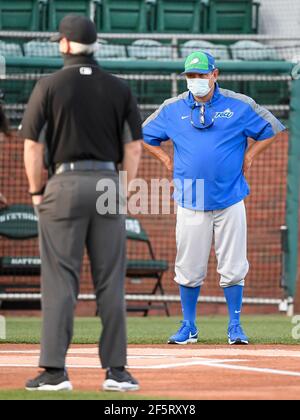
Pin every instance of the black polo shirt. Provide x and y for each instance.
(85, 113)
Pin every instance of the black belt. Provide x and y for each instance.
(85, 165)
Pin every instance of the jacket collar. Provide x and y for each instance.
(73, 60)
(191, 102)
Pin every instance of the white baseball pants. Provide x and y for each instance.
(195, 233)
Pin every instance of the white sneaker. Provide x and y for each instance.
(120, 381)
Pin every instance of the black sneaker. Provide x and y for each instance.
(120, 380)
(50, 381)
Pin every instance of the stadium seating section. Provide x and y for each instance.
(148, 49)
(18, 91)
(123, 16)
(137, 16)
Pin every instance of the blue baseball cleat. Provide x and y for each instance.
(187, 334)
(236, 335)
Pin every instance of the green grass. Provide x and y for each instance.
(276, 329)
(71, 396)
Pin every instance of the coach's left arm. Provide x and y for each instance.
(262, 127)
(255, 150)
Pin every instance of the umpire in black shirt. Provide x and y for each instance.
(91, 123)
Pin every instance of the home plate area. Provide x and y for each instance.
(190, 372)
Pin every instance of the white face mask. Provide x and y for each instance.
(199, 87)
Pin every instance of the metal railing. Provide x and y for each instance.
(174, 38)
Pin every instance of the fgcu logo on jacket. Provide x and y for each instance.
(225, 114)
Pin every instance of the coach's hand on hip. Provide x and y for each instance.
(169, 164)
(256, 149)
(161, 155)
(248, 161)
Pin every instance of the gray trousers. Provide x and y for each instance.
(69, 222)
(195, 233)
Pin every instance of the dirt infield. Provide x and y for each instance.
(192, 372)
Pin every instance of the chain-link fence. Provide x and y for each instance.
(268, 178)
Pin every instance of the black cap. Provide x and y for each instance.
(76, 29)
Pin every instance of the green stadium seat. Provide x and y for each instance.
(19, 222)
(151, 92)
(253, 51)
(110, 51)
(234, 85)
(41, 49)
(177, 16)
(143, 267)
(265, 93)
(220, 52)
(58, 9)
(150, 49)
(123, 16)
(150, 268)
(21, 15)
(17, 91)
(230, 16)
(268, 93)
(20, 266)
(10, 49)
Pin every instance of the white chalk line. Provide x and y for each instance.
(219, 364)
(164, 366)
(183, 352)
(252, 369)
(227, 364)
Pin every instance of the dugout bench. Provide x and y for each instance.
(19, 225)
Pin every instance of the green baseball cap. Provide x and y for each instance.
(200, 62)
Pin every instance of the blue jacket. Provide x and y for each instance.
(208, 163)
